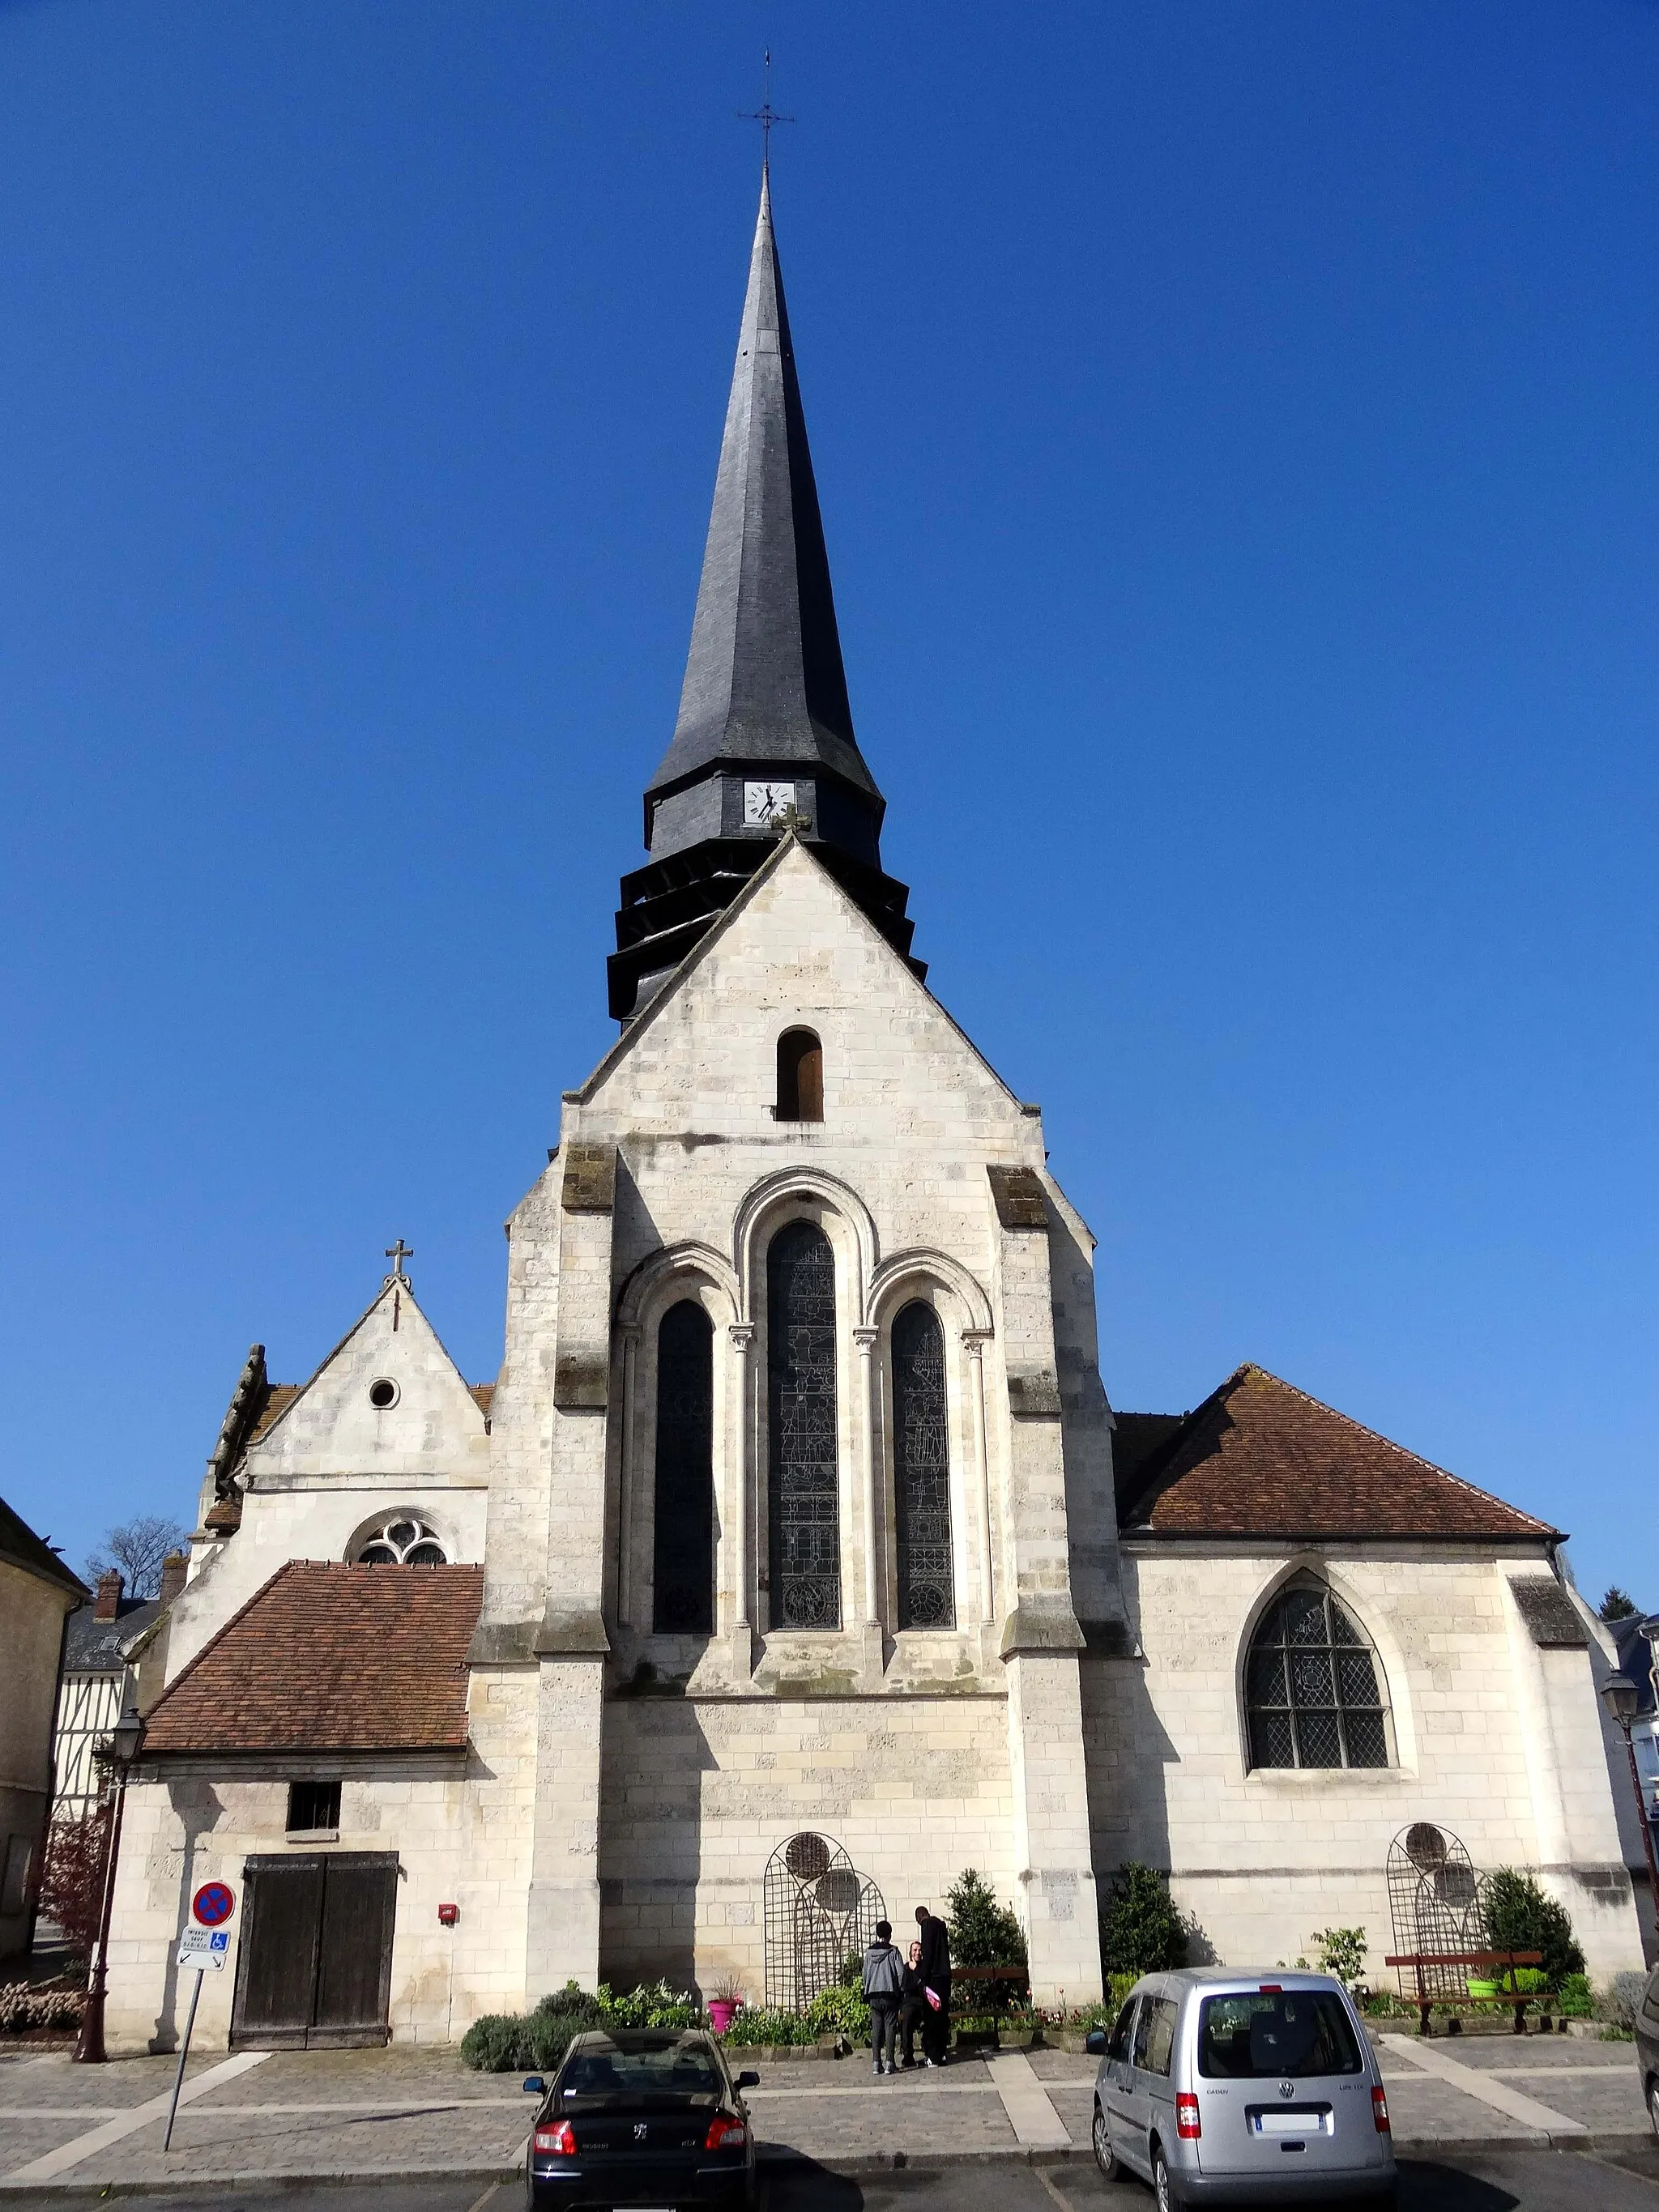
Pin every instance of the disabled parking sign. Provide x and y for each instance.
(202, 1949)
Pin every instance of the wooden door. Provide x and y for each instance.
(314, 1965)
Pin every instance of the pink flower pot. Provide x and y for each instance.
(722, 2011)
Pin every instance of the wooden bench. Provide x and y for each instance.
(1424, 1962)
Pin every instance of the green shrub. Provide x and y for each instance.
(758, 2024)
(984, 1932)
(1140, 1931)
(497, 2044)
(1625, 1996)
(1578, 2001)
(1341, 1952)
(660, 2006)
(1520, 1916)
(852, 1970)
(839, 2011)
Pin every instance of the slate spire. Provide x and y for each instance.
(764, 680)
(764, 727)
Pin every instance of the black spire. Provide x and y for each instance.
(765, 731)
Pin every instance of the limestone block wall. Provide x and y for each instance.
(697, 1794)
(459, 1837)
(1262, 1858)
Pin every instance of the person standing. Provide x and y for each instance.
(934, 1969)
(913, 2008)
(884, 1984)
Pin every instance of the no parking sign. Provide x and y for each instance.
(213, 1904)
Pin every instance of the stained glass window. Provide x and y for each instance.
(1312, 1693)
(803, 1492)
(682, 1580)
(921, 1471)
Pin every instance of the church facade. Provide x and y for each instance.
(797, 1540)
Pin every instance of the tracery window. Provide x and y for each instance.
(921, 1471)
(682, 1580)
(1313, 1692)
(803, 1487)
(801, 1077)
(402, 1541)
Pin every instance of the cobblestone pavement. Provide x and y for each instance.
(414, 2112)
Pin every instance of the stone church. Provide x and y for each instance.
(796, 1556)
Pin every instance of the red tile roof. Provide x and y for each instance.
(330, 1658)
(1260, 1458)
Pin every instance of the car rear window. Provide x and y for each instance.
(680, 2070)
(1265, 2032)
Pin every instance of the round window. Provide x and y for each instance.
(382, 1394)
(402, 1541)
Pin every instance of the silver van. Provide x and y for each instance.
(1221, 2088)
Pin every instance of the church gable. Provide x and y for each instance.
(1260, 1458)
(388, 1399)
(792, 953)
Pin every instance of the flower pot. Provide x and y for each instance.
(1016, 2039)
(722, 2011)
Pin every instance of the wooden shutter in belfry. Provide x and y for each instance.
(354, 1967)
(276, 1955)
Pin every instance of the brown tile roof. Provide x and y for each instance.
(1260, 1458)
(330, 1658)
(279, 1396)
(481, 1393)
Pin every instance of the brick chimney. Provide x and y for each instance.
(175, 1568)
(106, 1598)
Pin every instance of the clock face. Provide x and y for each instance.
(764, 802)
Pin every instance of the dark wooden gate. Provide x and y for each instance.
(314, 1964)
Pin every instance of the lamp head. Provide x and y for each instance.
(1622, 1698)
(126, 1738)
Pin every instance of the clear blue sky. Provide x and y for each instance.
(1235, 431)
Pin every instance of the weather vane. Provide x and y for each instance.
(766, 115)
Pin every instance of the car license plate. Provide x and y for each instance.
(1280, 2123)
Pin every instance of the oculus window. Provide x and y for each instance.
(1313, 1694)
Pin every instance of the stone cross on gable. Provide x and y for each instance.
(397, 1254)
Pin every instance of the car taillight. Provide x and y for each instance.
(725, 2134)
(1379, 2110)
(557, 2142)
(1187, 2121)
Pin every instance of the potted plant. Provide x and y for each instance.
(725, 2001)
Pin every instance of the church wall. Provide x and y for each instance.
(1261, 1859)
(697, 1794)
(453, 1846)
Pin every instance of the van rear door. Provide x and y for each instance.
(1284, 2086)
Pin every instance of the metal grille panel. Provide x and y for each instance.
(1312, 1694)
(819, 1908)
(804, 1497)
(1435, 1903)
(683, 1578)
(927, 1589)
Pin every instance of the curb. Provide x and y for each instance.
(783, 2154)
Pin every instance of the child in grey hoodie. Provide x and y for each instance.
(884, 1984)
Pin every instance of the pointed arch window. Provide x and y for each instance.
(683, 1577)
(803, 1472)
(801, 1077)
(921, 1471)
(1315, 1694)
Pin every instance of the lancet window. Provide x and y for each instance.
(683, 1583)
(801, 1077)
(1313, 1692)
(803, 1487)
(921, 1471)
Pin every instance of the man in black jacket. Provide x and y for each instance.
(935, 1972)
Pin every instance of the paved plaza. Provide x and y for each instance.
(343, 2115)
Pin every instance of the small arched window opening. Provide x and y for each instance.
(402, 1541)
(803, 1498)
(683, 1574)
(1313, 1694)
(801, 1077)
(921, 1471)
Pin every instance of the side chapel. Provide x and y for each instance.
(797, 1531)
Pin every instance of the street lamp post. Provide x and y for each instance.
(1624, 1701)
(126, 1739)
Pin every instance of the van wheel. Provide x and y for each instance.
(1110, 2164)
(1163, 2188)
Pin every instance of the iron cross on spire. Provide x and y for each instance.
(397, 1254)
(766, 115)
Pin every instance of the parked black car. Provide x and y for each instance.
(648, 2116)
(1647, 2045)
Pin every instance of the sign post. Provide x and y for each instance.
(202, 1949)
